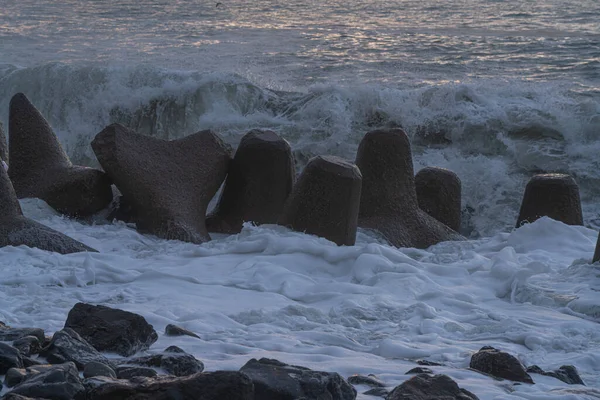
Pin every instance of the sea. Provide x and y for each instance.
(495, 90)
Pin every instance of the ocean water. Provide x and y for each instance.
(494, 90)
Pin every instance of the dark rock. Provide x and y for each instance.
(219, 385)
(429, 363)
(325, 200)
(274, 380)
(27, 345)
(430, 387)
(419, 370)
(121, 210)
(16, 230)
(61, 382)
(14, 376)
(174, 361)
(174, 330)
(389, 199)
(39, 167)
(7, 333)
(259, 180)
(13, 396)
(380, 392)
(439, 195)
(3, 145)
(68, 345)
(95, 368)
(168, 183)
(9, 358)
(128, 372)
(566, 373)
(370, 380)
(551, 195)
(31, 362)
(110, 329)
(499, 364)
(597, 251)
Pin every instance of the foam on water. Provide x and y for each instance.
(369, 308)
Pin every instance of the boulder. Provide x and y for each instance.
(94, 368)
(61, 382)
(499, 364)
(168, 183)
(28, 345)
(68, 345)
(16, 230)
(3, 145)
(274, 380)
(439, 195)
(218, 385)
(174, 330)
(9, 334)
(129, 372)
(389, 202)
(40, 168)
(551, 195)
(14, 376)
(566, 373)
(430, 387)
(173, 360)
(110, 329)
(370, 380)
(325, 200)
(9, 358)
(259, 180)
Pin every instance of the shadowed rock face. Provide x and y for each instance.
(439, 195)
(259, 181)
(16, 230)
(430, 387)
(389, 200)
(325, 200)
(39, 167)
(3, 145)
(551, 195)
(168, 183)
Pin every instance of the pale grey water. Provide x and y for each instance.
(494, 90)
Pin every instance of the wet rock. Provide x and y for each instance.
(129, 372)
(94, 368)
(110, 329)
(174, 330)
(14, 376)
(429, 363)
(430, 387)
(40, 168)
(9, 358)
(370, 380)
(168, 183)
(499, 364)
(13, 396)
(274, 380)
(68, 345)
(419, 370)
(3, 144)
(219, 385)
(566, 373)
(121, 210)
(551, 195)
(381, 392)
(173, 360)
(9, 334)
(325, 200)
(259, 180)
(31, 362)
(596, 257)
(439, 195)
(389, 202)
(16, 230)
(28, 345)
(61, 382)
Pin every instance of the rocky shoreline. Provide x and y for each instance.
(71, 365)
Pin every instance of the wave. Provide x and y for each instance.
(493, 134)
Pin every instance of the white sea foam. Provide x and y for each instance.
(369, 308)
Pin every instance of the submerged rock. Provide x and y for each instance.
(168, 183)
(325, 200)
(40, 168)
(499, 364)
(566, 373)
(110, 329)
(389, 202)
(551, 195)
(174, 330)
(274, 380)
(259, 181)
(430, 387)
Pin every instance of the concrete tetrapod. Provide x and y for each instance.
(16, 229)
(389, 199)
(167, 183)
(325, 200)
(259, 181)
(40, 168)
(439, 195)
